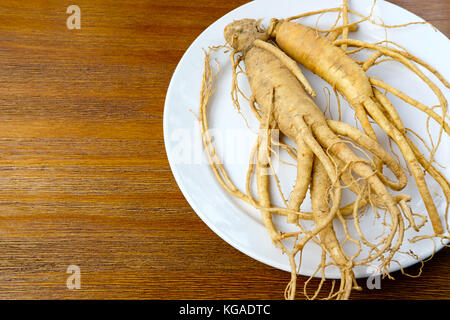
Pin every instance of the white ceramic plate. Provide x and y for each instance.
(234, 221)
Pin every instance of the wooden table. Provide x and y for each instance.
(84, 176)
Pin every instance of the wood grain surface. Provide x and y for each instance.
(84, 179)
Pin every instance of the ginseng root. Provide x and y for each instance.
(334, 65)
(325, 156)
(283, 104)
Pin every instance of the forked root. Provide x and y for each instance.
(321, 208)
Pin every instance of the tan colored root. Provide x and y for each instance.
(349, 26)
(366, 172)
(365, 197)
(396, 228)
(335, 33)
(422, 63)
(304, 170)
(439, 119)
(288, 63)
(410, 158)
(371, 191)
(371, 60)
(253, 107)
(338, 103)
(262, 174)
(407, 99)
(409, 215)
(215, 163)
(234, 80)
(345, 9)
(345, 23)
(373, 147)
(312, 13)
(289, 149)
(251, 171)
(384, 25)
(309, 140)
(390, 109)
(438, 176)
(399, 57)
(404, 147)
(361, 114)
(321, 208)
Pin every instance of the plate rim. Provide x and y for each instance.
(179, 180)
